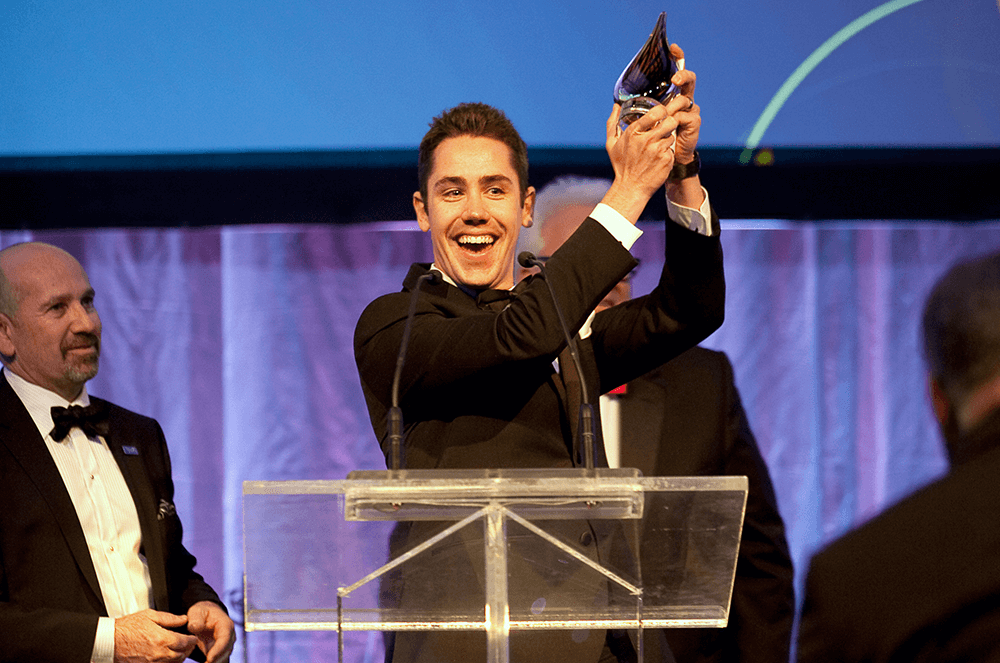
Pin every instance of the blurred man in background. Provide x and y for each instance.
(921, 581)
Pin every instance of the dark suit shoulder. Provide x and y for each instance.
(390, 309)
(131, 425)
(696, 394)
(925, 528)
(710, 368)
(926, 568)
(124, 414)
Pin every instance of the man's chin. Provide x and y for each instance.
(479, 277)
(82, 372)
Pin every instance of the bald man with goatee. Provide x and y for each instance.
(92, 566)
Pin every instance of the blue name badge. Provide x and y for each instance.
(130, 450)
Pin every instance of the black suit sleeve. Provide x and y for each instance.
(44, 634)
(48, 606)
(451, 341)
(763, 604)
(460, 348)
(687, 304)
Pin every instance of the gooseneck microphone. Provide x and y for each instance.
(587, 439)
(395, 419)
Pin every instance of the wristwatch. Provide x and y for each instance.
(682, 171)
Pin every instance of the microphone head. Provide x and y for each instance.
(526, 259)
(432, 277)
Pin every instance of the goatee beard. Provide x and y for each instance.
(80, 374)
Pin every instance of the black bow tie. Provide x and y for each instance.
(92, 420)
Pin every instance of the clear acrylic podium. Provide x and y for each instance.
(494, 551)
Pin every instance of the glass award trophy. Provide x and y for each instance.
(645, 82)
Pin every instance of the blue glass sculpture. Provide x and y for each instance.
(645, 82)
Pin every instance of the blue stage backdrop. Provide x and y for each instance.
(106, 76)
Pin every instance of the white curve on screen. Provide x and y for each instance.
(810, 63)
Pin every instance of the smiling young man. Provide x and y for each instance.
(479, 389)
(473, 207)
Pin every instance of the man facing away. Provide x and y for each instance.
(685, 418)
(921, 581)
(92, 566)
(479, 389)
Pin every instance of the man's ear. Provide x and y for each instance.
(528, 207)
(940, 403)
(421, 210)
(6, 336)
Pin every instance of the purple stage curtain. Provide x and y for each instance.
(239, 341)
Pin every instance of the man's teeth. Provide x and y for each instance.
(475, 239)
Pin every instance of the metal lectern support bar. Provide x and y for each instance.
(583, 559)
(377, 573)
(497, 610)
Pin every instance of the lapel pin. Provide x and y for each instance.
(166, 509)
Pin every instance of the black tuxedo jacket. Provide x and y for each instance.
(685, 418)
(919, 582)
(50, 598)
(479, 389)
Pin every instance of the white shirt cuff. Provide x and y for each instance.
(698, 220)
(616, 224)
(104, 642)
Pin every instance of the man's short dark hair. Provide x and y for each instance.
(472, 119)
(962, 327)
